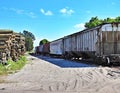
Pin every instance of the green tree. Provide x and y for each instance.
(28, 44)
(44, 41)
(28, 34)
(108, 20)
(94, 21)
(117, 19)
(29, 38)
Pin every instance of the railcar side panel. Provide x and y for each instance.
(41, 49)
(118, 39)
(73, 43)
(56, 47)
(86, 41)
(46, 48)
(37, 50)
(109, 42)
(67, 44)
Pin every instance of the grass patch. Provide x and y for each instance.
(12, 66)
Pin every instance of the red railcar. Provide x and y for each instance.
(46, 49)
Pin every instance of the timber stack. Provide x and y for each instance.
(12, 45)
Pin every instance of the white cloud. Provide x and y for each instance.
(79, 26)
(66, 11)
(47, 13)
(19, 11)
(42, 11)
(31, 14)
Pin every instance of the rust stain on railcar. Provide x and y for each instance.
(111, 42)
(118, 36)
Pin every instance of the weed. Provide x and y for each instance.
(12, 66)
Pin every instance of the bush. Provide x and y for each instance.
(12, 66)
(3, 69)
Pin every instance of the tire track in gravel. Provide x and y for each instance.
(43, 77)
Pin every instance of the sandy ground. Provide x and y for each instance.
(39, 76)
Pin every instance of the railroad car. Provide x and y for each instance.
(56, 47)
(46, 49)
(101, 43)
(37, 50)
(41, 49)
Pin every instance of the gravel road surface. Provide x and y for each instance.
(40, 76)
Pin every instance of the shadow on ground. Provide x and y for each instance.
(65, 63)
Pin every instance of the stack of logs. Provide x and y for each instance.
(12, 45)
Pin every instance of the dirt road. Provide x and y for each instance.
(39, 76)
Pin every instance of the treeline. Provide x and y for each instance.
(95, 21)
(29, 38)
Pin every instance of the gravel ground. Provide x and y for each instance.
(39, 76)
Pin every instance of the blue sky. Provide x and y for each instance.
(53, 19)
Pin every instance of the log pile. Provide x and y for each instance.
(12, 45)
